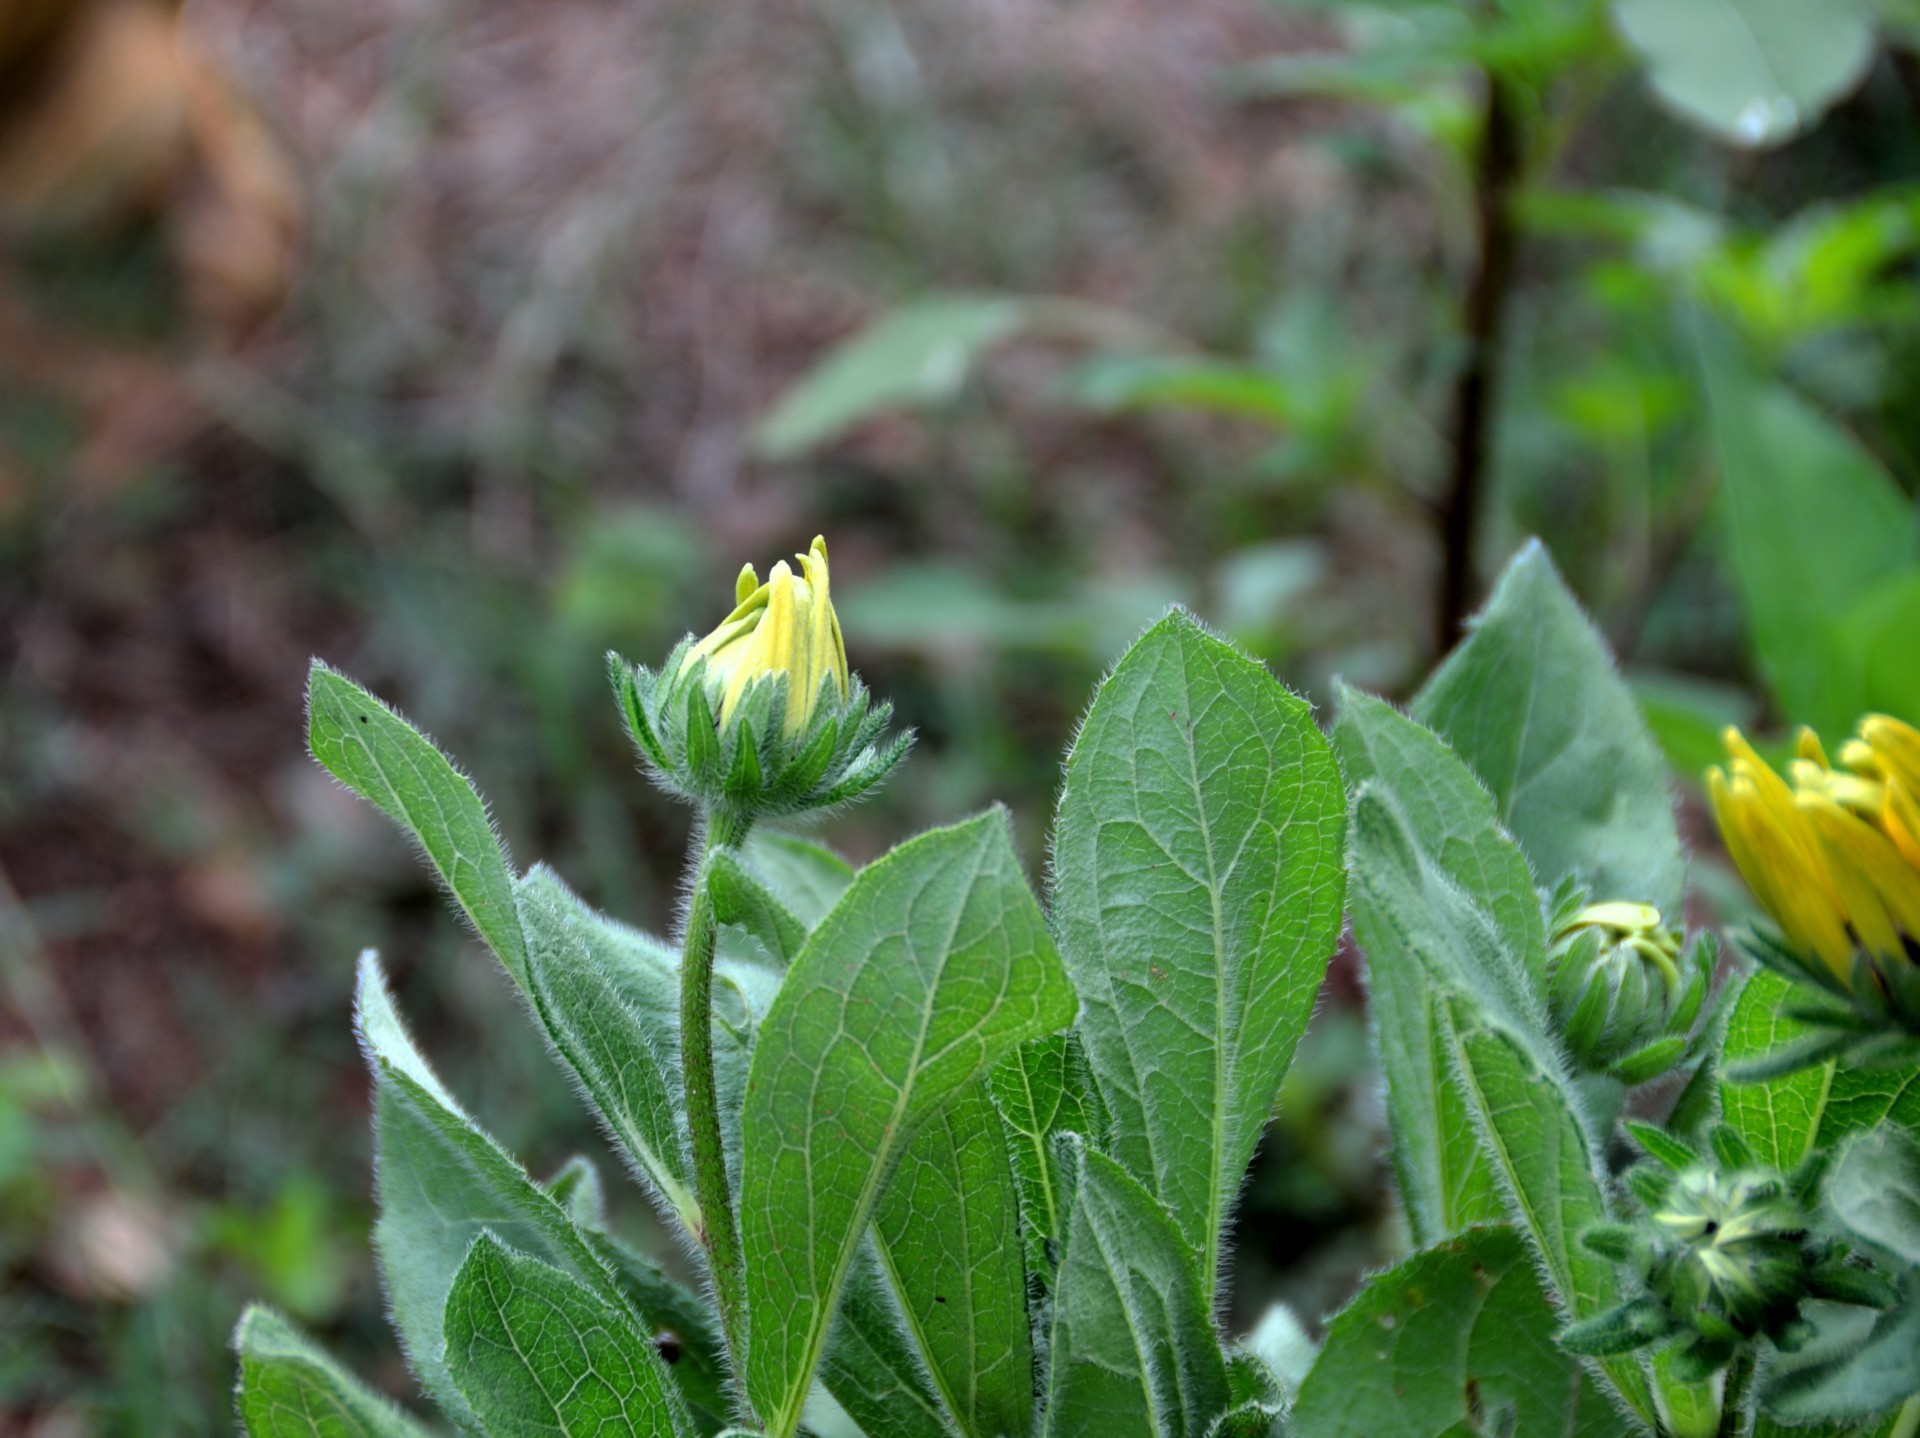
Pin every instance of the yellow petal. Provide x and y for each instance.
(1864, 865)
(1896, 746)
(1779, 858)
(745, 584)
(1807, 745)
(1900, 817)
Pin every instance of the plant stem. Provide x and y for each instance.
(1733, 1397)
(1496, 170)
(718, 1234)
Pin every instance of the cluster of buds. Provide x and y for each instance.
(1725, 1254)
(761, 718)
(1834, 858)
(1623, 987)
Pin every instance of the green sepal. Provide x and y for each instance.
(1621, 1329)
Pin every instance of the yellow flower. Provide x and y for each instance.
(784, 626)
(1835, 856)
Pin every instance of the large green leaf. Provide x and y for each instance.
(1198, 891)
(386, 761)
(1042, 1088)
(1425, 834)
(537, 1353)
(290, 1388)
(869, 1366)
(948, 1229)
(1456, 1340)
(1781, 1118)
(442, 1180)
(1818, 528)
(1858, 1364)
(1132, 1348)
(1530, 1127)
(1756, 72)
(1532, 702)
(932, 966)
(1874, 1191)
(607, 997)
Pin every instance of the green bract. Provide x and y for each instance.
(955, 1165)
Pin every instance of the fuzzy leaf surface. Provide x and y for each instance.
(608, 998)
(442, 1181)
(1198, 889)
(536, 1353)
(1443, 903)
(934, 964)
(1458, 1338)
(806, 877)
(1874, 1191)
(1532, 702)
(870, 1368)
(381, 757)
(291, 1388)
(1133, 1348)
(948, 1230)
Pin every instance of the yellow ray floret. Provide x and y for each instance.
(1834, 856)
(785, 626)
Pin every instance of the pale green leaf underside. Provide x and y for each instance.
(607, 997)
(1533, 704)
(870, 1367)
(1460, 1334)
(442, 1181)
(290, 1388)
(934, 964)
(947, 1227)
(1132, 1349)
(537, 1354)
(386, 761)
(1198, 889)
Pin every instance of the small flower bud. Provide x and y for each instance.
(1621, 991)
(762, 717)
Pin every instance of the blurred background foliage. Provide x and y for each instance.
(458, 342)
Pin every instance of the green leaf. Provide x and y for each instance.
(1857, 1365)
(870, 1368)
(1443, 902)
(1132, 1348)
(1456, 1338)
(1754, 72)
(1860, 1098)
(917, 355)
(947, 1228)
(1533, 704)
(674, 1312)
(381, 757)
(741, 897)
(1781, 1117)
(1546, 1165)
(442, 1180)
(290, 1388)
(1817, 526)
(1874, 1191)
(535, 1352)
(1197, 891)
(807, 878)
(932, 966)
(608, 998)
(1042, 1088)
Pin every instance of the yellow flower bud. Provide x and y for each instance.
(1835, 856)
(784, 626)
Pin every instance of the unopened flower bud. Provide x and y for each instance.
(1622, 990)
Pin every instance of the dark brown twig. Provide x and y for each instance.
(1496, 172)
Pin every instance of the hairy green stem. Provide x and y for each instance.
(1733, 1397)
(719, 1233)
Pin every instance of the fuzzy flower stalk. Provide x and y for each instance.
(759, 719)
(1834, 858)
